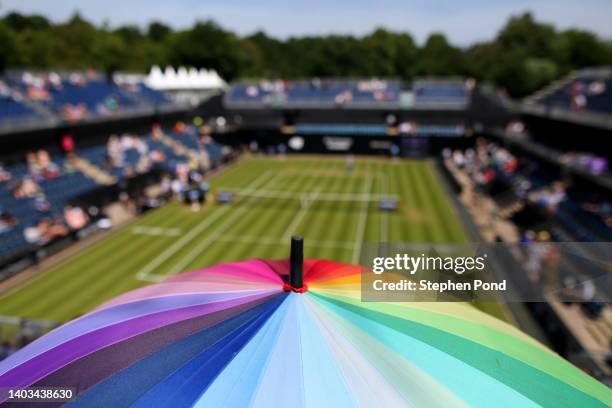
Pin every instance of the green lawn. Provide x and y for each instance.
(174, 239)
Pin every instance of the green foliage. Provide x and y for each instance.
(576, 48)
(539, 71)
(208, 45)
(158, 31)
(524, 56)
(9, 55)
(525, 34)
(439, 58)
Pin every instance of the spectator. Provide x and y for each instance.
(52, 228)
(33, 165)
(179, 127)
(550, 197)
(579, 102)
(156, 131)
(7, 221)
(49, 170)
(166, 185)
(528, 237)
(75, 217)
(177, 187)
(252, 91)
(195, 177)
(41, 204)
(32, 234)
(537, 254)
(44, 231)
(596, 88)
(70, 164)
(585, 293)
(41, 166)
(4, 175)
(194, 198)
(109, 105)
(128, 171)
(26, 188)
(600, 208)
(74, 112)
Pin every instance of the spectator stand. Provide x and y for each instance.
(582, 97)
(579, 331)
(37, 197)
(31, 99)
(317, 92)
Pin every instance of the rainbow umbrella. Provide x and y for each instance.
(253, 334)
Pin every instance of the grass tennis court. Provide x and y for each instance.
(334, 210)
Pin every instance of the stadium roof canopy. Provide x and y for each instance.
(183, 79)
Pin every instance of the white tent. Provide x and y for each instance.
(183, 79)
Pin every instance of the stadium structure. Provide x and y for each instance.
(107, 184)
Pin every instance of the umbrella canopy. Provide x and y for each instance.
(238, 334)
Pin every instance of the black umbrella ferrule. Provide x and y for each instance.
(296, 263)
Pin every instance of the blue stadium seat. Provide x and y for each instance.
(11, 109)
(322, 92)
(440, 93)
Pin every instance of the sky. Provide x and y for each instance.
(464, 22)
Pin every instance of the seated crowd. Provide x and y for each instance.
(422, 93)
(488, 163)
(565, 212)
(588, 92)
(128, 154)
(317, 90)
(36, 195)
(38, 219)
(71, 96)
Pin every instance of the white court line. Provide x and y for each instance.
(252, 191)
(210, 239)
(361, 224)
(299, 216)
(157, 231)
(279, 241)
(305, 196)
(270, 241)
(143, 273)
(384, 218)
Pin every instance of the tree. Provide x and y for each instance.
(439, 58)
(9, 55)
(130, 34)
(208, 45)
(577, 48)
(390, 54)
(158, 31)
(524, 56)
(19, 22)
(539, 72)
(525, 34)
(73, 43)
